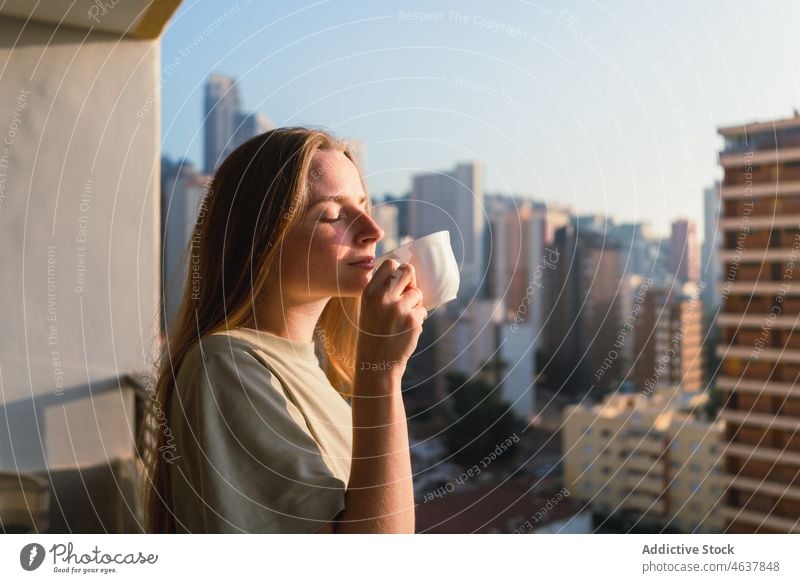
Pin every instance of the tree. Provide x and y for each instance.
(479, 420)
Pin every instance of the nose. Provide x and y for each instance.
(367, 230)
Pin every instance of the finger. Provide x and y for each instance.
(411, 298)
(421, 312)
(413, 273)
(402, 276)
(384, 272)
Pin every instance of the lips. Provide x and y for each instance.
(365, 261)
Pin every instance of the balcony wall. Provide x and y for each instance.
(80, 235)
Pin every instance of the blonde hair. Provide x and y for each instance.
(258, 194)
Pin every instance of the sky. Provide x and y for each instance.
(608, 107)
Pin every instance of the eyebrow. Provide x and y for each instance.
(337, 198)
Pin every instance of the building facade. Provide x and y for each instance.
(221, 120)
(684, 251)
(651, 458)
(759, 350)
(453, 201)
(669, 337)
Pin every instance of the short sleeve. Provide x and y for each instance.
(254, 463)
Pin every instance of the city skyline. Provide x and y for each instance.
(597, 371)
(570, 106)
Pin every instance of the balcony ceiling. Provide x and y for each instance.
(143, 19)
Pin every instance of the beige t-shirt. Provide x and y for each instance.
(263, 440)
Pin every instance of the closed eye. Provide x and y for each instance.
(339, 218)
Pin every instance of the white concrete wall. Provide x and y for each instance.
(79, 126)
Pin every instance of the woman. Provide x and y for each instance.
(248, 430)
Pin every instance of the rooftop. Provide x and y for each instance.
(760, 126)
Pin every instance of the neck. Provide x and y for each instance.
(289, 317)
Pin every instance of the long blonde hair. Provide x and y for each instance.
(258, 194)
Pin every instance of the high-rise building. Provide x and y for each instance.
(684, 252)
(585, 319)
(249, 125)
(402, 204)
(659, 252)
(759, 348)
(500, 210)
(226, 126)
(514, 237)
(669, 337)
(637, 255)
(520, 264)
(453, 201)
(221, 120)
(386, 215)
(182, 191)
(711, 270)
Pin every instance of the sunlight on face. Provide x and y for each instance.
(336, 230)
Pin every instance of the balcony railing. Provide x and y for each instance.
(762, 453)
(762, 486)
(101, 497)
(760, 519)
(761, 419)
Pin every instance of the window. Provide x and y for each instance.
(733, 366)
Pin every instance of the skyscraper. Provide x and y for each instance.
(183, 188)
(633, 240)
(760, 351)
(585, 319)
(221, 120)
(684, 251)
(453, 201)
(385, 214)
(250, 125)
(668, 333)
(711, 270)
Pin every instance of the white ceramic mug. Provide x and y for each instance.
(434, 264)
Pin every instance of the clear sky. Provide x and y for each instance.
(611, 107)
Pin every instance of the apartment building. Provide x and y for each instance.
(759, 350)
(654, 459)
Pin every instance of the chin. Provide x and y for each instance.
(352, 288)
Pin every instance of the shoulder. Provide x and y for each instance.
(224, 343)
(224, 357)
(221, 346)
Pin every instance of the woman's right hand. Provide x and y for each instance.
(391, 319)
